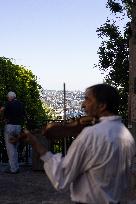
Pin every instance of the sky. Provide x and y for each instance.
(56, 39)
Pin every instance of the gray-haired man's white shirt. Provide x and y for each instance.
(96, 165)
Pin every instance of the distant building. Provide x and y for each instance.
(55, 100)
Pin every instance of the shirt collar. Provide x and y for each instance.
(114, 117)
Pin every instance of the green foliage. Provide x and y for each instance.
(114, 53)
(114, 6)
(21, 80)
(120, 6)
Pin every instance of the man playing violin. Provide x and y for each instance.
(97, 164)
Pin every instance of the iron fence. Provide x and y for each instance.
(25, 150)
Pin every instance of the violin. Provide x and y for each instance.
(72, 127)
(58, 130)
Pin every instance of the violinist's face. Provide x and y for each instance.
(90, 105)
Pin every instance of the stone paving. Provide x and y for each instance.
(29, 187)
(33, 187)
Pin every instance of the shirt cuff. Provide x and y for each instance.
(46, 156)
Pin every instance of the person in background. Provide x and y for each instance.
(97, 164)
(14, 114)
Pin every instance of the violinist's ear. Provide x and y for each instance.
(102, 107)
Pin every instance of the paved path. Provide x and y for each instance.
(29, 187)
(33, 187)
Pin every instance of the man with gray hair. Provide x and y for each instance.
(14, 113)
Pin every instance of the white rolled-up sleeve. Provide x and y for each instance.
(52, 167)
(63, 170)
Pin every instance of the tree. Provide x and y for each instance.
(21, 80)
(114, 50)
(132, 73)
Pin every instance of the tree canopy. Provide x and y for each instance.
(114, 49)
(24, 83)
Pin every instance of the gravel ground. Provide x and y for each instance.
(29, 187)
(33, 187)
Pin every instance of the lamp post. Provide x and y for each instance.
(64, 118)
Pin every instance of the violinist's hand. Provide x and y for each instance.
(50, 128)
(31, 139)
(13, 140)
(53, 125)
(27, 136)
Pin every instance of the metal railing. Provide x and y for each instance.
(25, 150)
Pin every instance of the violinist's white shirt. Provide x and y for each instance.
(96, 165)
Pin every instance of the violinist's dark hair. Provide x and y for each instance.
(106, 94)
